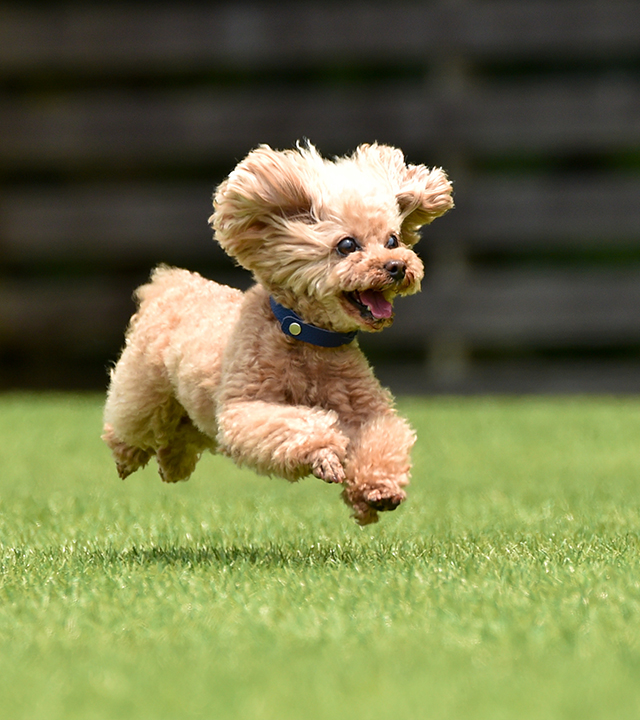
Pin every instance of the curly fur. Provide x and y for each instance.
(206, 367)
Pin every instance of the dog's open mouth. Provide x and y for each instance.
(371, 304)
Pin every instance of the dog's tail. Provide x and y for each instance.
(164, 282)
(162, 279)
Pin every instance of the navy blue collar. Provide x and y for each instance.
(294, 326)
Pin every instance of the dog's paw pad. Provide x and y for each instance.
(328, 467)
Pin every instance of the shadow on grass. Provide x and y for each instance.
(203, 554)
(454, 551)
(451, 552)
(269, 555)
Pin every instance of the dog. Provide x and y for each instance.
(274, 378)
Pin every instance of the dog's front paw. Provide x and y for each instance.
(384, 500)
(327, 466)
(367, 501)
(363, 513)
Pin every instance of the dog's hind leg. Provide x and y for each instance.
(178, 458)
(139, 416)
(128, 458)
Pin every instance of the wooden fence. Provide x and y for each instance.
(118, 120)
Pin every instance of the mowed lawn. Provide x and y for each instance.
(508, 586)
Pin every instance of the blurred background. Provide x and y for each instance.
(117, 121)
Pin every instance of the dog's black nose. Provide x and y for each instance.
(396, 268)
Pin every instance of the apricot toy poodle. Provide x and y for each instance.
(274, 377)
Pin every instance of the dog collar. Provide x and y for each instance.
(294, 326)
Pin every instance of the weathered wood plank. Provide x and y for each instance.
(152, 222)
(538, 212)
(200, 125)
(112, 38)
(72, 318)
(518, 376)
(110, 223)
(562, 115)
(499, 309)
(528, 309)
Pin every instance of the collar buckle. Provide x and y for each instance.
(294, 326)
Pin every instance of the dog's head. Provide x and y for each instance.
(330, 240)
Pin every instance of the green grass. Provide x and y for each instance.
(508, 586)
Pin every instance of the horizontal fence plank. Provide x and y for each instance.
(528, 309)
(151, 222)
(111, 223)
(67, 318)
(542, 212)
(201, 125)
(564, 115)
(517, 376)
(139, 37)
(489, 310)
(147, 128)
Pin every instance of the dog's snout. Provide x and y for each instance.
(396, 268)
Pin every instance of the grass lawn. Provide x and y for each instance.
(508, 586)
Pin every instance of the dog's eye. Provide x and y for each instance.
(392, 243)
(346, 246)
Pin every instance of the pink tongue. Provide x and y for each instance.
(377, 304)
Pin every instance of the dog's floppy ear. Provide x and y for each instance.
(422, 194)
(267, 189)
